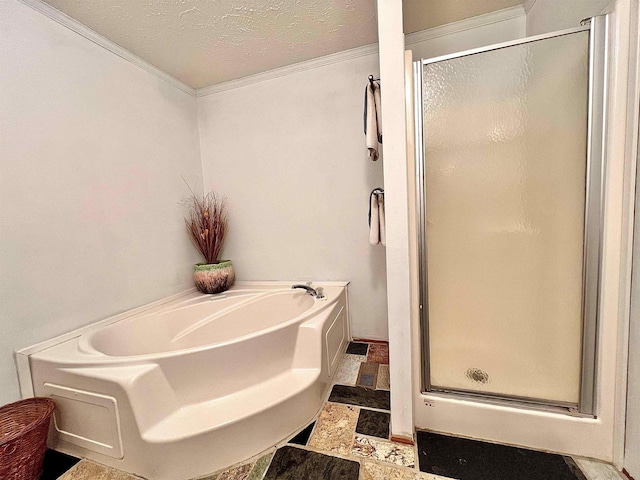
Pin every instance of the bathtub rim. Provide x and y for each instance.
(21, 356)
(86, 347)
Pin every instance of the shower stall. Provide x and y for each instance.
(510, 171)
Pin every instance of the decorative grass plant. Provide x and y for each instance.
(207, 227)
(207, 223)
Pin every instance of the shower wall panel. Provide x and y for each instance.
(504, 135)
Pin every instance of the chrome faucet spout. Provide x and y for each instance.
(311, 291)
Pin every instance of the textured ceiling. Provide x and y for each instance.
(205, 42)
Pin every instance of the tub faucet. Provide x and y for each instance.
(310, 290)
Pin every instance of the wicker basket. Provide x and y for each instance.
(23, 438)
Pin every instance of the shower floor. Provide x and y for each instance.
(350, 441)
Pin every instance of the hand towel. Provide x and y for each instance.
(374, 220)
(373, 120)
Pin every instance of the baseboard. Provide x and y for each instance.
(368, 340)
(403, 439)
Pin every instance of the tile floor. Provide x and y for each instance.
(350, 441)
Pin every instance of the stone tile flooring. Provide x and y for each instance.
(378, 353)
(350, 441)
(55, 464)
(373, 423)
(291, 463)
(358, 348)
(365, 397)
(303, 437)
(84, 470)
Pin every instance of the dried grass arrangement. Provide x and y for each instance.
(207, 223)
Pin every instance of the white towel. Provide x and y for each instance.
(373, 112)
(374, 220)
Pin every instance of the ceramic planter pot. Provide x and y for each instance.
(214, 277)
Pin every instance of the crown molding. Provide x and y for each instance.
(466, 24)
(528, 5)
(86, 32)
(289, 69)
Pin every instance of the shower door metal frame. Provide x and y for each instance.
(593, 226)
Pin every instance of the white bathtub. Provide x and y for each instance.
(194, 384)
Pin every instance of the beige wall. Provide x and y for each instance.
(289, 154)
(473, 33)
(392, 74)
(303, 132)
(632, 437)
(92, 152)
(550, 15)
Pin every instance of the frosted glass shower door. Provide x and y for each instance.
(505, 153)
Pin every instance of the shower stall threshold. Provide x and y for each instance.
(511, 401)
